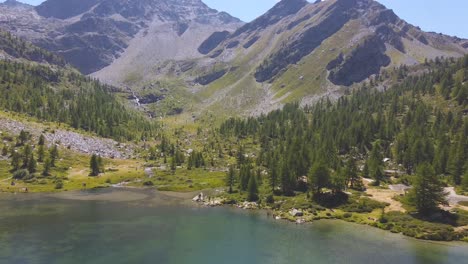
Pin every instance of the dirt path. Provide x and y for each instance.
(453, 198)
(386, 196)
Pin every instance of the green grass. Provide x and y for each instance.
(398, 222)
(184, 180)
(72, 169)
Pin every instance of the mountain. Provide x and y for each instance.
(180, 56)
(91, 34)
(297, 51)
(302, 51)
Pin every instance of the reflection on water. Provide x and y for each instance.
(133, 226)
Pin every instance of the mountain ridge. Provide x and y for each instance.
(184, 54)
(91, 34)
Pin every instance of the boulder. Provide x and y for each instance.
(295, 213)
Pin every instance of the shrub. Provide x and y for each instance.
(21, 175)
(59, 185)
(148, 183)
(347, 215)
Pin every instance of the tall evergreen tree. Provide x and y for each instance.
(32, 164)
(319, 177)
(252, 189)
(47, 167)
(53, 155)
(231, 178)
(94, 165)
(428, 190)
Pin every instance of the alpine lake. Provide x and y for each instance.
(145, 226)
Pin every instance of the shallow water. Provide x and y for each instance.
(104, 227)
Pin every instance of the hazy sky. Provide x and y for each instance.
(447, 16)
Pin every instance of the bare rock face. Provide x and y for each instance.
(363, 62)
(92, 34)
(301, 28)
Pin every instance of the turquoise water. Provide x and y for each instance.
(152, 228)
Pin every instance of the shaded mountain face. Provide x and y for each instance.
(91, 34)
(15, 49)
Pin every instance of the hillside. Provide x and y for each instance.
(297, 51)
(39, 84)
(13, 48)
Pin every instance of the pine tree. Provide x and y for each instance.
(465, 180)
(15, 161)
(32, 165)
(319, 177)
(53, 155)
(375, 164)
(23, 137)
(94, 165)
(352, 173)
(173, 164)
(252, 189)
(41, 141)
(231, 178)
(47, 167)
(273, 177)
(338, 181)
(27, 151)
(40, 153)
(428, 190)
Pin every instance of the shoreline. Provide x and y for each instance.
(171, 198)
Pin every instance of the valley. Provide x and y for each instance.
(313, 111)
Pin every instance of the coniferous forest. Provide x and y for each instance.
(420, 121)
(65, 96)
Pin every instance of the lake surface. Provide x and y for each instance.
(124, 226)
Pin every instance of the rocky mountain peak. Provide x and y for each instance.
(91, 34)
(168, 10)
(13, 3)
(281, 10)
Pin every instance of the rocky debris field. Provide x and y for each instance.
(107, 148)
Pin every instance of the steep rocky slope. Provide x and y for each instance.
(91, 34)
(302, 51)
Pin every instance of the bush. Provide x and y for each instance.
(347, 215)
(59, 185)
(363, 205)
(148, 183)
(330, 200)
(21, 175)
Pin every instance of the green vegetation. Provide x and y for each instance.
(96, 165)
(19, 49)
(428, 192)
(326, 142)
(64, 96)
